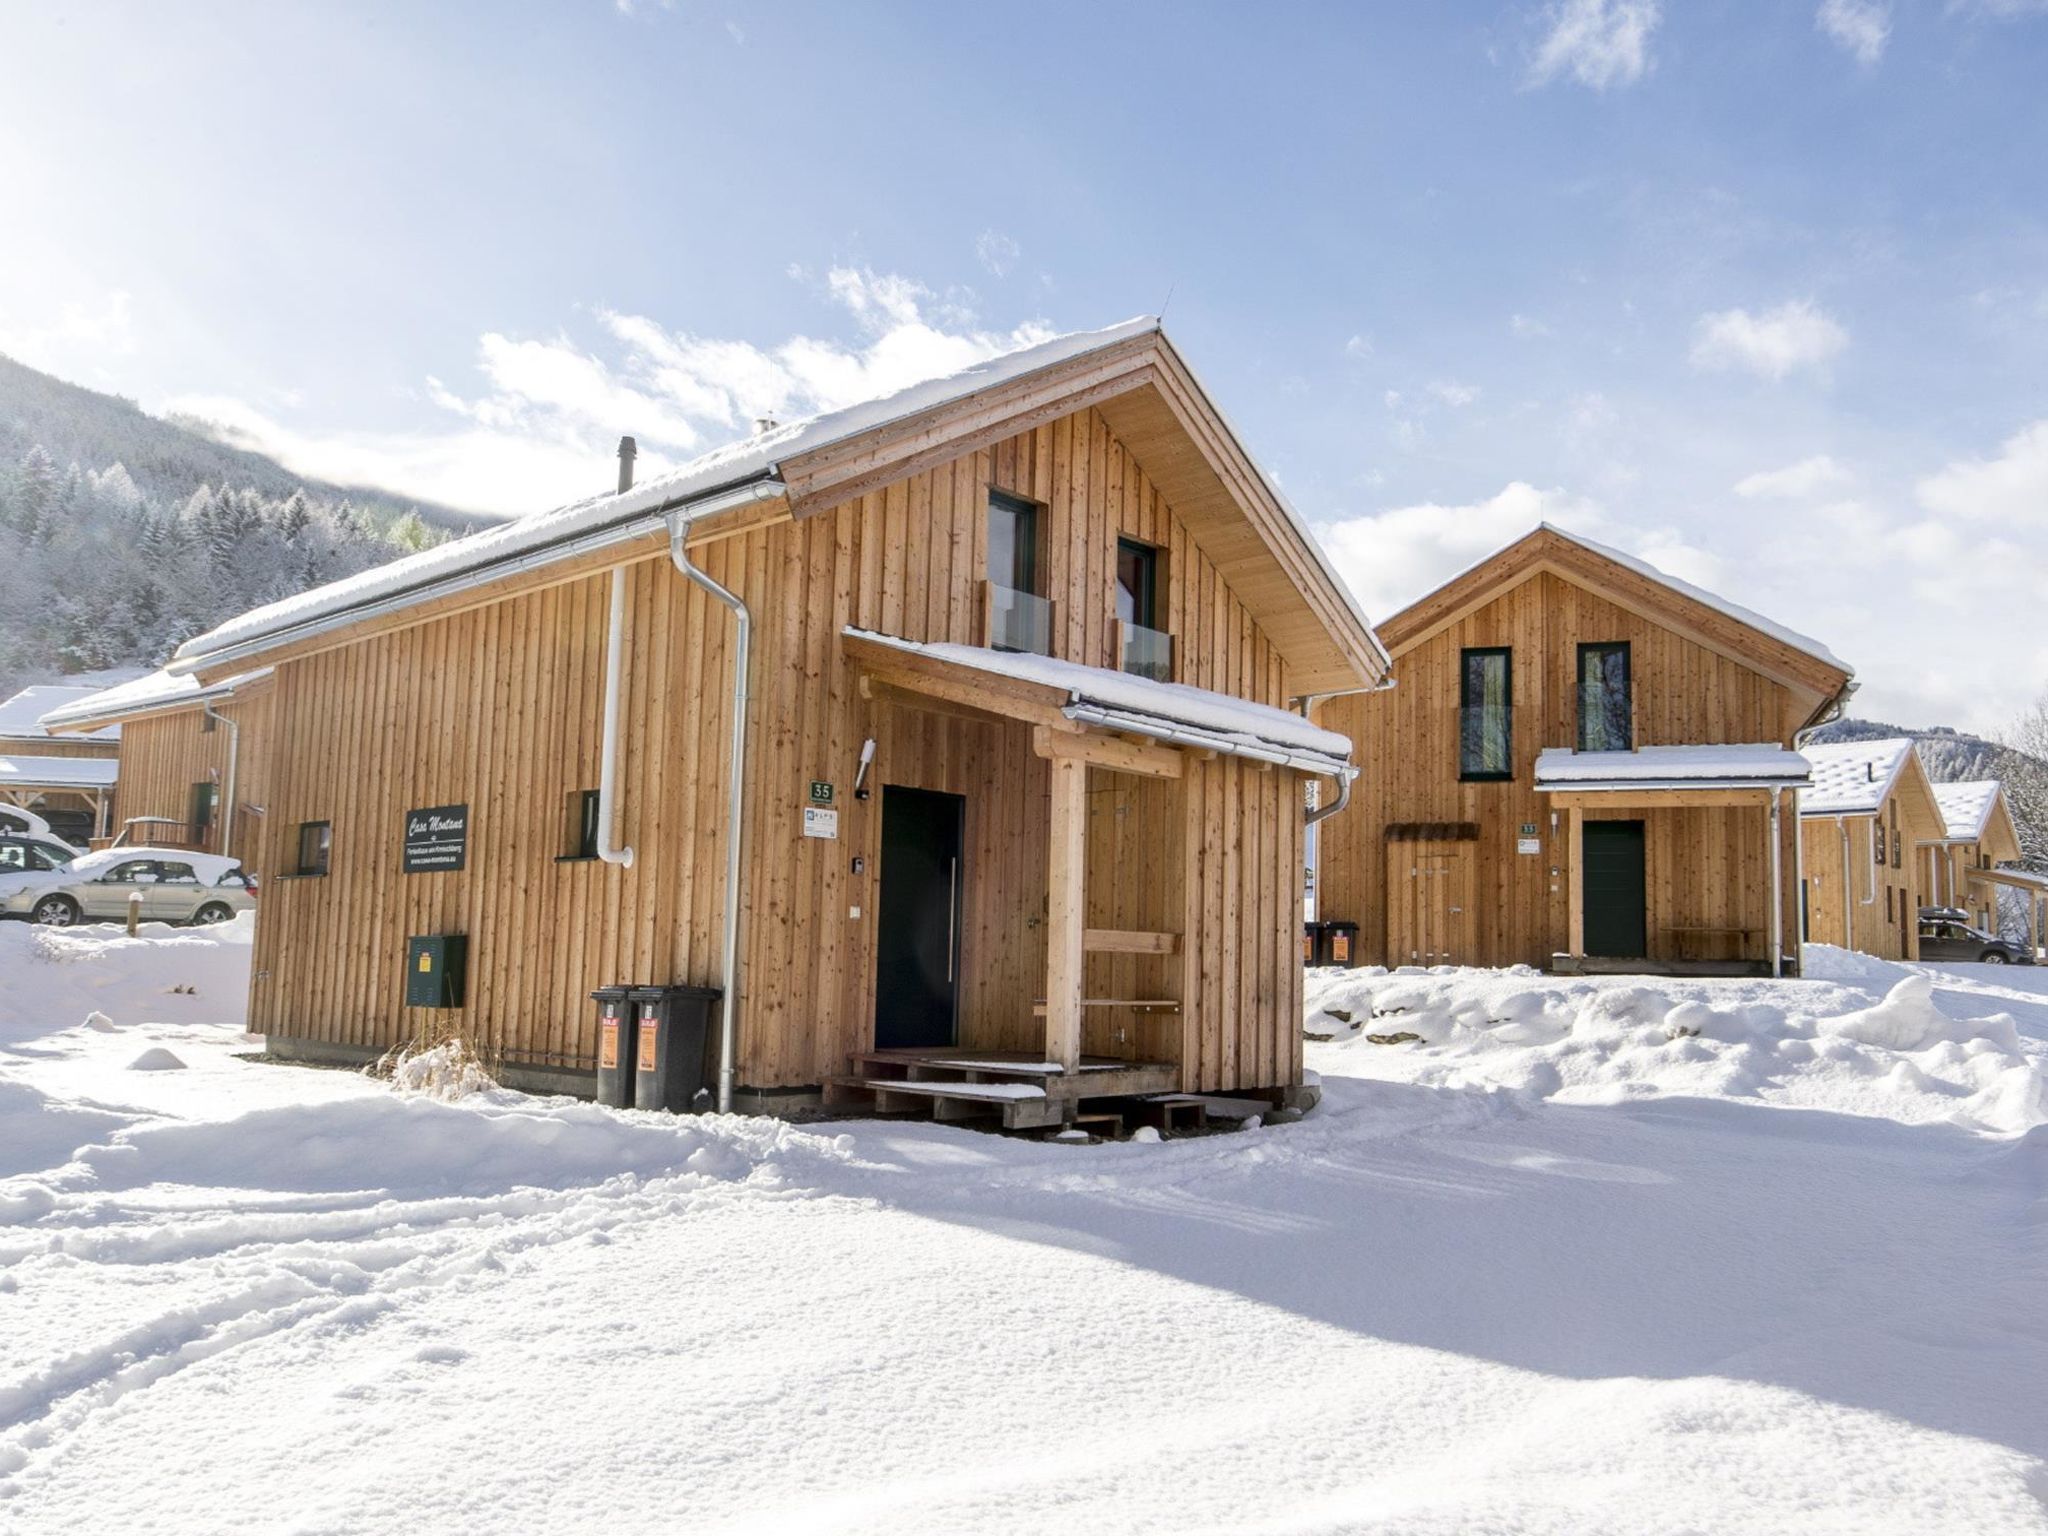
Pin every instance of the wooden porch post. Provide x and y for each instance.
(1575, 846)
(1066, 911)
(1777, 887)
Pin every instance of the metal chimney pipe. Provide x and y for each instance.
(628, 451)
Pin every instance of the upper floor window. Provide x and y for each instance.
(1012, 542)
(1147, 649)
(1485, 711)
(1605, 712)
(1018, 618)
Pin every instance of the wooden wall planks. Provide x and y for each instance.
(163, 756)
(497, 707)
(1704, 866)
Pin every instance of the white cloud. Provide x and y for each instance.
(2011, 489)
(1454, 394)
(997, 252)
(1528, 327)
(1861, 27)
(542, 429)
(1795, 482)
(1795, 335)
(1358, 346)
(76, 339)
(1597, 42)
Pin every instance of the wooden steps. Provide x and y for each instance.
(1023, 1091)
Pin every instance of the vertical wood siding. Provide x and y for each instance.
(1704, 866)
(499, 708)
(163, 757)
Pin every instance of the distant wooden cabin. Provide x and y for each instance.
(1869, 810)
(67, 781)
(1022, 794)
(1582, 763)
(1978, 835)
(194, 760)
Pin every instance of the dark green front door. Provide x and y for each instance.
(1615, 901)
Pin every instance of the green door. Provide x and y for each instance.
(1615, 899)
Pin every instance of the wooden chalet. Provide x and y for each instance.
(1966, 863)
(1870, 809)
(1018, 813)
(1584, 764)
(194, 761)
(66, 780)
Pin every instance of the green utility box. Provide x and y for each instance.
(434, 966)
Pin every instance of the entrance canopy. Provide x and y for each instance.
(1699, 774)
(1046, 691)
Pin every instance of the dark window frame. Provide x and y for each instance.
(1628, 692)
(580, 823)
(304, 870)
(1466, 705)
(196, 828)
(1148, 600)
(1032, 546)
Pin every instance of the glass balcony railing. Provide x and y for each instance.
(1147, 652)
(1019, 621)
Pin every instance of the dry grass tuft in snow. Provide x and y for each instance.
(448, 1070)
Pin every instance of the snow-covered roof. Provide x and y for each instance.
(1851, 778)
(732, 465)
(1719, 604)
(1966, 807)
(1738, 765)
(1165, 711)
(58, 772)
(145, 695)
(21, 717)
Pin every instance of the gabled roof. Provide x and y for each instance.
(1729, 629)
(1736, 765)
(1130, 372)
(1966, 807)
(158, 693)
(1853, 778)
(21, 717)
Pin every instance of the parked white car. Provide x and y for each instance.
(175, 886)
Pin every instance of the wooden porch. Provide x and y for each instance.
(1023, 1092)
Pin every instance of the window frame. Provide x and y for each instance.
(1149, 554)
(303, 871)
(199, 831)
(1033, 513)
(1466, 704)
(1628, 692)
(582, 826)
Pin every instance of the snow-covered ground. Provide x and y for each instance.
(1585, 1257)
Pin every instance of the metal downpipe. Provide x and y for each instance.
(227, 818)
(607, 770)
(735, 809)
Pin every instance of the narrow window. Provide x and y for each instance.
(1012, 542)
(1137, 577)
(1485, 704)
(581, 825)
(199, 813)
(316, 845)
(1898, 843)
(1878, 840)
(1888, 905)
(1606, 722)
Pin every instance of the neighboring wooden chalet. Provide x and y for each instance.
(1021, 791)
(1977, 836)
(1870, 807)
(1584, 763)
(194, 761)
(68, 781)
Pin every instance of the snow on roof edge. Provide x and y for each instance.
(22, 720)
(1836, 789)
(1751, 765)
(1957, 802)
(160, 689)
(58, 772)
(728, 465)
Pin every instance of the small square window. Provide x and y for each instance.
(316, 847)
(580, 825)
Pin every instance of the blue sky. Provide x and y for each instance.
(1759, 291)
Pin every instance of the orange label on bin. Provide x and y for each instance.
(647, 1040)
(1340, 947)
(608, 1042)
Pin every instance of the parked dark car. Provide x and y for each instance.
(1946, 934)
